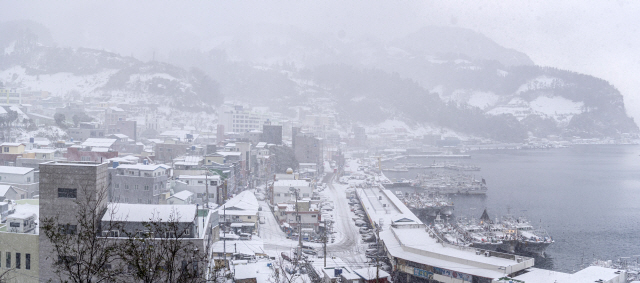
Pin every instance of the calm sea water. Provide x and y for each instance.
(586, 197)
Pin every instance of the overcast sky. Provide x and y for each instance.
(600, 38)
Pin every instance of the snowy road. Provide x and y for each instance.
(348, 244)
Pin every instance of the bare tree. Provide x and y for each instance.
(286, 271)
(82, 256)
(162, 252)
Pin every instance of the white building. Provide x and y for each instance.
(282, 190)
(197, 184)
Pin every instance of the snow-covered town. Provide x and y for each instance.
(319, 142)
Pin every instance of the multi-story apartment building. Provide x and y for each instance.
(10, 96)
(308, 148)
(239, 120)
(282, 191)
(138, 183)
(19, 251)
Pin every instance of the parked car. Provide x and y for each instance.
(360, 223)
(364, 230)
(285, 256)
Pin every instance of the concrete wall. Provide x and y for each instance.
(133, 189)
(25, 244)
(88, 179)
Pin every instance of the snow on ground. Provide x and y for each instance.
(556, 105)
(483, 99)
(501, 73)
(58, 83)
(9, 49)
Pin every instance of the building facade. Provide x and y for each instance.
(138, 183)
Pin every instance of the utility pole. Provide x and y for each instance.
(206, 185)
(299, 253)
(325, 243)
(224, 235)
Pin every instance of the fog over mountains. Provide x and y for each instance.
(438, 76)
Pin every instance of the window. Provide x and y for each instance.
(27, 261)
(68, 229)
(155, 187)
(18, 255)
(113, 233)
(67, 193)
(85, 158)
(213, 183)
(126, 187)
(135, 187)
(148, 201)
(140, 200)
(146, 188)
(28, 179)
(187, 232)
(117, 186)
(314, 216)
(200, 182)
(248, 217)
(62, 259)
(8, 265)
(6, 149)
(14, 224)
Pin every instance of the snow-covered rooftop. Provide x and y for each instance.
(199, 177)
(144, 167)
(291, 183)
(95, 142)
(183, 195)
(150, 212)
(15, 170)
(589, 274)
(245, 200)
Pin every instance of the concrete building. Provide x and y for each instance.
(308, 148)
(306, 215)
(19, 251)
(240, 213)
(240, 120)
(170, 149)
(138, 183)
(183, 197)
(62, 184)
(89, 154)
(86, 130)
(197, 226)
(197, 184)
(272, 134)
(359, 136)
(10, 96)
(283, 194)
